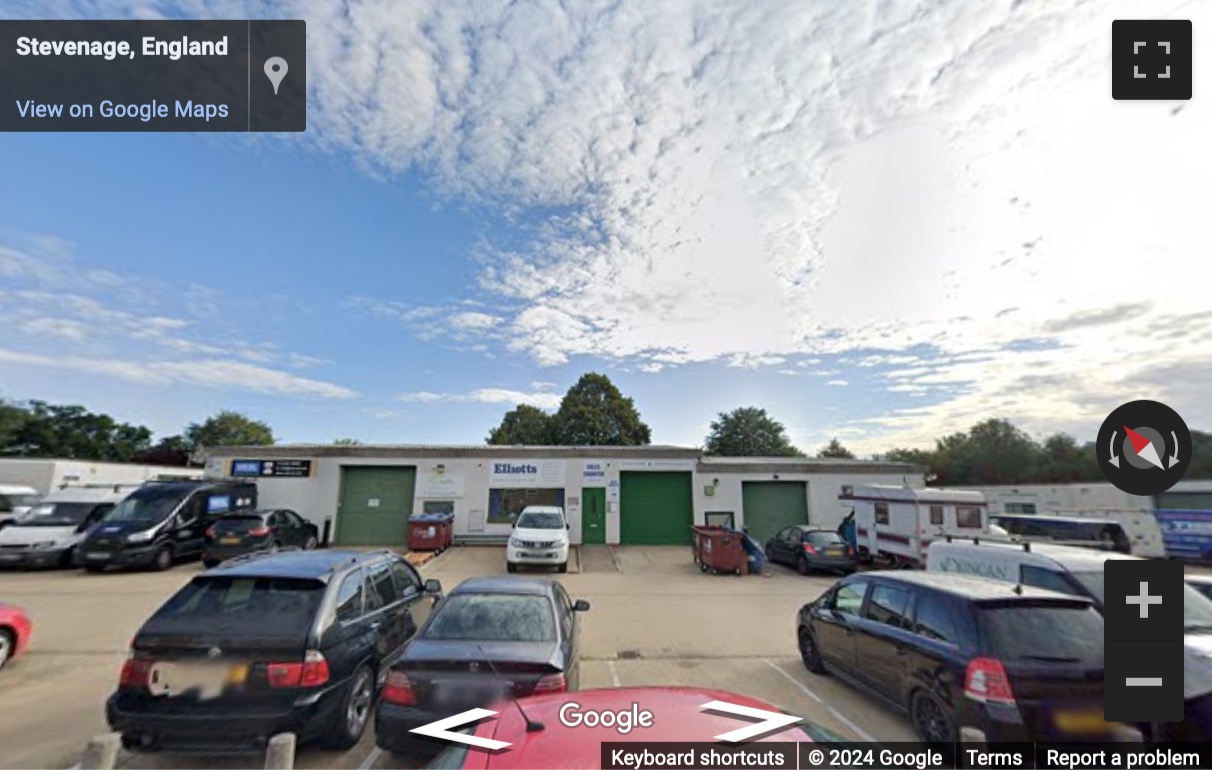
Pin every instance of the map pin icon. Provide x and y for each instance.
(275, 70)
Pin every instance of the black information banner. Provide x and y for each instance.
(903, 756)
(153, 75)
(290, 469)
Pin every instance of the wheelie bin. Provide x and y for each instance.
(719, 550)
(427, 532)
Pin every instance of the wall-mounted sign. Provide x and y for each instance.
(656, 465)
(612, 492)
(439, 485)
(527, 474)
(593, 474)
(285, 469)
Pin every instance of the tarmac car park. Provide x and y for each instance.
(655, 621)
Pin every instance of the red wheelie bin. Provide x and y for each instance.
(719, 550)
(427, 532)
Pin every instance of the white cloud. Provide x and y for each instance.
(543, 386)
(201, 372)
(473, 321)
(541, 399)
(54, 327)
(838, 383)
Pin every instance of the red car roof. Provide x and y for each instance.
(677, 715)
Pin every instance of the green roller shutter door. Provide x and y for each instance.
(771, 505)
(656, 508)
(375, 506)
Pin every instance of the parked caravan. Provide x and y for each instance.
(895, 525)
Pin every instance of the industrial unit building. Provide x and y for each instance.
(46, 475)
(647, 495)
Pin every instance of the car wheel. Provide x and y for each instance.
(931, 721)
(511, 567)
(562, 568)
(809, 652)
(310, 543)
(275, 546)
(355, 711)
(210, 563)
(769, 554)
(68, 558)
(801, 565)
(163, 558)
(8, 641)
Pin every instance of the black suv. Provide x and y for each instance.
(964, 653)
(162, 522)
(295, 641)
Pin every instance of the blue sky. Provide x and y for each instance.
(879, 228)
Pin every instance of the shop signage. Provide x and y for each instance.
(532, 474)
(593, 474)
(435, 484)
(288, 469)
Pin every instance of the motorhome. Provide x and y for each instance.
(895, 525)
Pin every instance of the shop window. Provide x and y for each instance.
(504, 505)
(438, 506)
(720, 519)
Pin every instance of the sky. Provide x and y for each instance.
(881, 221)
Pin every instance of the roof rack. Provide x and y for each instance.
(96, 485)
(1026, 544)
(253, 555)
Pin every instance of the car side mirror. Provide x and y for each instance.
(580, 605)
(433, 586)
(568, 526)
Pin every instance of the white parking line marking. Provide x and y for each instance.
(371, 758)
(839, 716)
(614, 673)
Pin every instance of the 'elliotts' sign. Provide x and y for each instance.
(537, 474)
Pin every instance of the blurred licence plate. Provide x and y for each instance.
(229, 540)
(833, 551)
(465, 694)
(1081, 722)
(10, 557)
(96, 556)
(206, 680)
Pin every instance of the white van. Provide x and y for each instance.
(540, 536)
(15, 502)
(47, 535)
(1078, 571)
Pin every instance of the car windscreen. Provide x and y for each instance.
(58, 514)
(277, 606)
(493, 618)
(1197, 611)
(23, 501)
(146, 505)
(540, 521)
(1061, 633)
(823, 538)
(239, 524)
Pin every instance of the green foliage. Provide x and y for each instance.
(524, 424)
(72, 432)
(229, 428)
(347, 442)
(834, 449)
(748, 432)
(595, 413)
(170, 450)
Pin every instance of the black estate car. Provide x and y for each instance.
(295, 641)
(490, 638)
(241, 533)
(1015, 663)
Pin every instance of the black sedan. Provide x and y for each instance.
(490, 638)
(270, 530)
(809, 549)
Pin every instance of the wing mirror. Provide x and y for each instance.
(580, 605)
(433, 586)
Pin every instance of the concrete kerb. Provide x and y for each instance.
(101, 752)
(280, 753)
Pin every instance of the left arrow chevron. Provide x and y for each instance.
(771, 720)
(442, 728)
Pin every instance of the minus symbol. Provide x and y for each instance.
(1143, 681)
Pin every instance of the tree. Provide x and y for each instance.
(1063, 461)
(229, 429)
(748, 432)
(12, 418)
(170, 450)
(73, 432)
(835, 449)
(347, 442)
(595, 413)
(524, 424)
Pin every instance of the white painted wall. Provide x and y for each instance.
(317, 498)
(48, 475)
